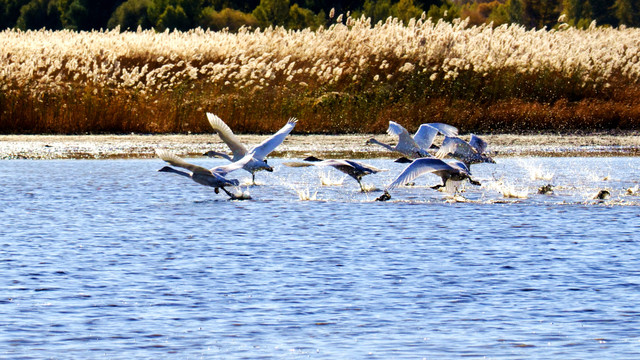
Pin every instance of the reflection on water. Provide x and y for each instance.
(111, 259)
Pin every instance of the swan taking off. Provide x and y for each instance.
(469, 153)
(455, 171)
(258, 153)
(355, 169)
(214, 177)
(416, 146)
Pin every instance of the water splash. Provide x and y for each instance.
(507, 190)
(239, 194)
(326, 179)
(306, 195)
(536, 171)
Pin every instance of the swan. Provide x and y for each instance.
(416, 146)
(455, 171)
(214, 177)
(239, 150)
(469, 153)
(355, 169)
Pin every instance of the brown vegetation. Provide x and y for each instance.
(350, 78)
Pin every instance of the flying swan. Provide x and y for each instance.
(355, 169)
(455, 171)
(416, 146)
(258, 153)
(214, 177)
(469, 153)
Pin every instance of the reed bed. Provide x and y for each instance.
(348, 78)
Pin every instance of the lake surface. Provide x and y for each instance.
(112, 259)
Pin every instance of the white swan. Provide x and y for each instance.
(239, 150)
(455, 171)
(214, 177)
(469, 153)
(416, 146)
(355, 169)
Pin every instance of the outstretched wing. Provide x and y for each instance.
(364, 167)
(417, 168)
(263, 149)
(445, 129)
(406, 143)
(427, 133)
(237, 148)
(455, 146)
(225, 169)
(478, 144)
(174, 160)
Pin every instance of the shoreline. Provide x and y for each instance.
(328, 146)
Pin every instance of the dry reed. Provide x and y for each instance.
(350, 77)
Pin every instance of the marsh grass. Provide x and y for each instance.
(349, 78)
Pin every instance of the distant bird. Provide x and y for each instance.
(469, 153)
(416, 146)
(214, 177)
(545, 189)
(355, 169)
(455, 171)
(603, 195)
(239, 150)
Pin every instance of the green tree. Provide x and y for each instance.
(377, 10)
(10, 11)
(447, 11)
(406, 10)
(626, 13)
(38, 14)
(602, 13)
(174, 14)
(131, 14)
(301, 18)
(578, 12)
(225, 18)
(173, 18)
(272, 12)
(541, 13)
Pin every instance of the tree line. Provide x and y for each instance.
(298, 14)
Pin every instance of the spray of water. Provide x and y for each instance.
(326, 179)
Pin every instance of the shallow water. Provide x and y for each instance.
(111, 259)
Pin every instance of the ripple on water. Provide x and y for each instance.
(120, 261)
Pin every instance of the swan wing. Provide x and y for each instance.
(263, 149)
(237, 148)
(406, 143)
(225, 169)
(417, 168)
(363, 167)
(460, 166)
(425, 135)
(445, 129)
(174, 160)
(477, 143)
(455, 146)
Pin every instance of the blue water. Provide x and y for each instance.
(111, 259)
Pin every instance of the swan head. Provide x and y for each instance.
(312, 159)
(166, 169)
(403, 160)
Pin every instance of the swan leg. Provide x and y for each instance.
(436, 187)
(473, 182)
(361, 186)
(232, 196)
(253, 178)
